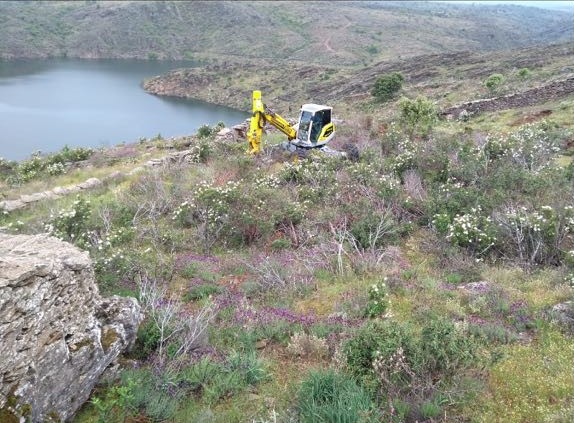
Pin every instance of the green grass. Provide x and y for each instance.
(536, 392)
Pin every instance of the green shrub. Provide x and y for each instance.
(204, 131)
(387, 86)
(418, 116)
(374, 230)
(150, 395)
(493, 82)
(429, 410)
(439, 349)
(248, 366)
(147, 340)
(378, 300)
(199, 292)
(384, 337)
(446, 348)
(329, 397)
(524, 73)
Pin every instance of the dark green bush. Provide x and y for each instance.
(382, 336)
(387, 86)
(444, 348)
(147, 340)
(204, 131)
(440, 347)
(374, 230)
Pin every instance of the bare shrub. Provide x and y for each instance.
(277, 273)
(175, 325)
(413, 185)
(306, 345)
(362, 246)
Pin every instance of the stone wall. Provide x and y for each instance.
(57, 335)
(538, 95)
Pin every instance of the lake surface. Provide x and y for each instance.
(46, 104)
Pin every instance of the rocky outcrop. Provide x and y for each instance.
(538, 95)
(57, 334)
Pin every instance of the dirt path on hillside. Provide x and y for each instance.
(327, 41)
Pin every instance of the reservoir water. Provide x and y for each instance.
(46, 104)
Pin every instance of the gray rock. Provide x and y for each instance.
(90, 183)
(58, 335)
(481, 287)
(563, 313)
(11, 205)
(32, 198)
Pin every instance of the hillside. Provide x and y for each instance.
(342, 33)
(428, 279)
(448, 78)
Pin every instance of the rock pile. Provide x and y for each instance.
(57, 334)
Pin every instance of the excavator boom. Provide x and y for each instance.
(261, 115)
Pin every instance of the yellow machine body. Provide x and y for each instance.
(314, 128)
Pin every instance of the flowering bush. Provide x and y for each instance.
(536, 236)
(472, 231)
(53, 164)
(54, 169)
(316, 177)
(530, 147)
(200, 151)
(71, 224)
(378, 299)
(209, 208)
(405, 159)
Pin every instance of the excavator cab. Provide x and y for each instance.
(315, 128)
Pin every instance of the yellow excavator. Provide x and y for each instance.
(313, 130)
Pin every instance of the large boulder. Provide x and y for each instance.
(57, 334)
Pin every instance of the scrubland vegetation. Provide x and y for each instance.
(413, 284)
(417, 283)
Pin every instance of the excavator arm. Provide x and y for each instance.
(261, 115)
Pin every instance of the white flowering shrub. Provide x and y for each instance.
(16, 226)
(53, 164)
(181, 214)
(363, 173)
(379, 302)
(109, 250)
(315, 177)
(405, 159)
(209, 208)
(472, 231)
(200, 151)
(55, 169)
(536, 235)
(71, 224)
(31, 168)
(449, 199)
(531, 147)
(267, 181)
(368, 175)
